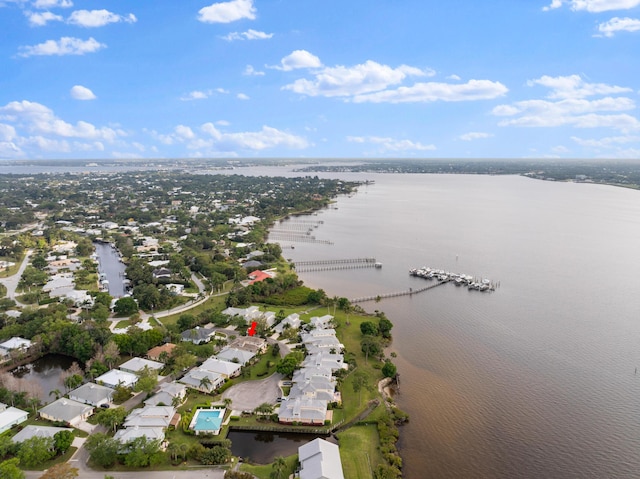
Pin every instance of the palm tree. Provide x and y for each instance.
(56, 392)
(278, 468)
(227, 402)
(205, 383)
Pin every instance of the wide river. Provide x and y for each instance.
(536, 380)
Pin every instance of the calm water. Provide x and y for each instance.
(263, 447)
(46, 371)
(535, 380)
(112, 266)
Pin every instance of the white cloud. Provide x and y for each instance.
(359, 79)
(474, 135)
(250, 71)
(40, 19)
(573, 86)
(248, 35)
(79, 92)
(391, 144)
(65, 46)
(37, 118)
(606, 142)
(435, 91)
(197, 95)
(53, 4)
(594, 6)
(299, 59)
(615, 25)
(223, 123)
(226, 12)
(222, 90)
(242, 96)
(265, 138)
(7, 132)
(454, 77)
(98, 18)
(184, 132)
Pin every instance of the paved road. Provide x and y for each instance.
(12, 281)
(248, 395)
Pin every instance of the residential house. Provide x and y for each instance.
(116, 377)
(252, 344)
(168, 395)
(202, 380)
(315, 388)
(152, 416)
(320, 459)
(67, 411)
(235, 355)
(91, 393)
(136, 365)
(37, 431)
(15, 343)
(292, 321)
(155, 353)
(198, 335)
(130, 434)
(11, 416)
(224, 368)
(304, 411)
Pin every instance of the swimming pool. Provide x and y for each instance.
(207, 421)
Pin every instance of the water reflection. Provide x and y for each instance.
(263, 447)
(46, 372)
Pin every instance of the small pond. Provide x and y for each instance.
(263, 447)
(46, 372)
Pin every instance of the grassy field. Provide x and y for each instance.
(263, 472)
(359, 451)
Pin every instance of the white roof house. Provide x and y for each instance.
(10, 416)
(91, 393)
(224, 368)
(115, 376)
(135, 365)
(37, 431)
(15, 343)
(131, 433)
(320, 459)
(304, 411)
(167, 394)
(150, 416)
(66, 410)
(293, 321)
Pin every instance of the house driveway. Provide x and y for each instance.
(248, 395)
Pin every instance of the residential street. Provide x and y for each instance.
(12, 281)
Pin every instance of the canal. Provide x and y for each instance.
(111, 269)
(264, 447)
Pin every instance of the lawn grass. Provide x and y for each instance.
(214, 302)
(264, 471)
(359, 451)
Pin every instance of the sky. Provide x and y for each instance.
(319, 78)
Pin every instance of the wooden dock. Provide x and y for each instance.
(408, 292)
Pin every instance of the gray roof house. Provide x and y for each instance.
(150, 416)
(37, 431)
(235, 355)
(114, 377)
(304, 374)
(135, 365)
(198, 335)
(320, 459)
(167, 395)
(325, 359)
(315, 388)
(293, 321)
(304, 411)
(131, 433)
(224, 368)
(194, 379)
(66, 410)
(93, 394)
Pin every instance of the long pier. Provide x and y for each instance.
(297, 238)
(335, 261)
(313, 269)
(407, 292)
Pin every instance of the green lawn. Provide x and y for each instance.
(359, 451)
(263, 472)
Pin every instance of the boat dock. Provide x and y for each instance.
(459, 279)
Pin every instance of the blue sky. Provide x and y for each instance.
(319, 78)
